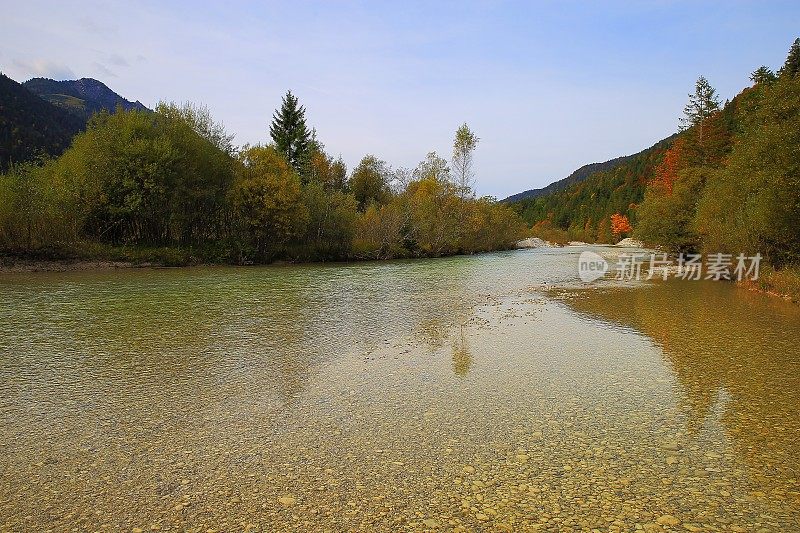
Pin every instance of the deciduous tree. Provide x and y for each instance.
(434, 168)
(667, 171)
(620, 225)
(463, 149)
(267, 201)
(369, 181)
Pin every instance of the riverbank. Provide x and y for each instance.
(783, 283)
(93, 256)
(90, 256)
(66, 266)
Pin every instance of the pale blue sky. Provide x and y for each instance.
(547, 86)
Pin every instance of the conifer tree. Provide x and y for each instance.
(792, 65)
(290, 133)
(762, 75)
(702, 104)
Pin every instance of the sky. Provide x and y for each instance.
(547, 86)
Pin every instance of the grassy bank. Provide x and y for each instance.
(88, 255)
(81, 255)
(784, 283)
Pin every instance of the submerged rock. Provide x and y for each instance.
(667, 520)
(287, 500)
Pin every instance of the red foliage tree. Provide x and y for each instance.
(620, 224)
(667, 171)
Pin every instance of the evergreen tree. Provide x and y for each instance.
(792, 65)
(762, 75)
(702, 104)
(290, 133)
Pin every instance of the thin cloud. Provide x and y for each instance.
(46, 69)
(104, 70)
(118, 60)
(89, 25)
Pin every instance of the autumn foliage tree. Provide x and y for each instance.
(266, 202)
(169, 187)
(667, 171)
(463, 148)
(369, 182)
(620, 225)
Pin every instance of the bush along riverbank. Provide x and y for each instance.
(169, 188)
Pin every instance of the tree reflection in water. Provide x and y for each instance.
(732, 352)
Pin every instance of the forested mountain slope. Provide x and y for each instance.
(83, 97)
(577, 176)
(728, 182)
(30, 126)
(584, 208)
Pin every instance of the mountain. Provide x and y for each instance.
(584, 207)
(576, 177)
(82, 98)
(30, 126)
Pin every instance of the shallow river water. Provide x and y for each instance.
(483, 393)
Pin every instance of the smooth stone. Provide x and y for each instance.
(667, 520)
(287, 500)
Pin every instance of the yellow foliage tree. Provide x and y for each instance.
(267, 200)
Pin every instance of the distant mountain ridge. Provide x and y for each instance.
(577, 176)
(82, 98)
(30, 126)
(583, 209)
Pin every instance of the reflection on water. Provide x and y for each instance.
(736, 353)
(425, 395)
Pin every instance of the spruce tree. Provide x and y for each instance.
(290, 133)
(792, 65)
(762, 75)
(702, 104)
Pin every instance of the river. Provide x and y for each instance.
(491, 392)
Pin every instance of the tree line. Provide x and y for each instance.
(728, 182)
(172, 182)
(731, 182)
